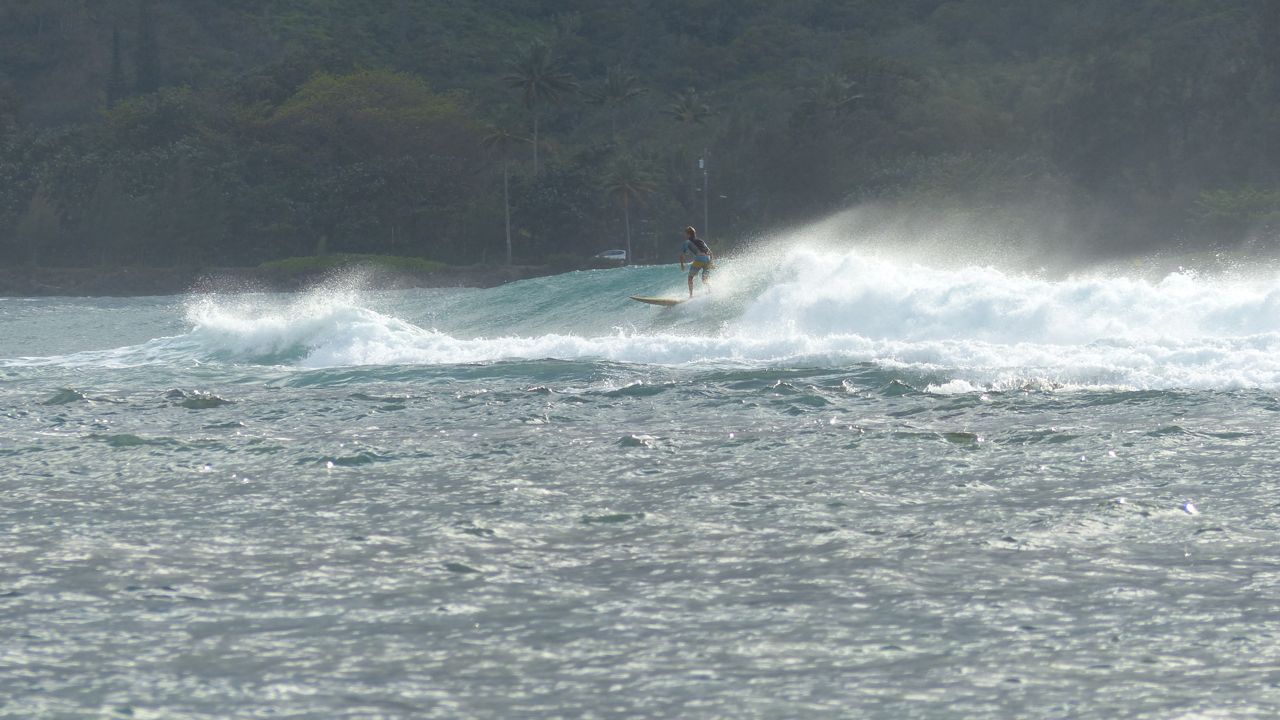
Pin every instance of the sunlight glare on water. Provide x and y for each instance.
(839, 485)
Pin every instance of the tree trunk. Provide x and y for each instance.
(506, 205)
(626, 218)
(535, 141)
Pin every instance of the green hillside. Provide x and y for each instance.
(233, 132)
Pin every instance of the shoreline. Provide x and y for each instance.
(143, 281)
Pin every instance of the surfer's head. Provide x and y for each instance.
(690, 231)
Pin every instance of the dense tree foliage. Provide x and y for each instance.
(229, 132)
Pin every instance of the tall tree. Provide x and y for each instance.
(616, 90)
(627, 182)
(541, 79)
(373, 157)
(116, 88)
(107, 217)
(40, 226)
(501, 142)
(8, 107)
(830, 98)
(147, 56)
(689, 108)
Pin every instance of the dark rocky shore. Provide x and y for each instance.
(134, 281)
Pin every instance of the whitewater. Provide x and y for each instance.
(841, 484)
(987, 328)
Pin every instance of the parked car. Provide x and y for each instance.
(613, 255)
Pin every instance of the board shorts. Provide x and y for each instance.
(700, 262)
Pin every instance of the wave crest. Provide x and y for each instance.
(966, 329)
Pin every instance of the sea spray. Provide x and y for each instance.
(471, 496)
(976, 327)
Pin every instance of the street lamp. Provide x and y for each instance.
(702, 165)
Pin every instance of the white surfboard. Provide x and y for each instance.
(666, 302)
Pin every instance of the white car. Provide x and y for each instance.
(615, 255)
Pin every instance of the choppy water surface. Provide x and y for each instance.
(890, 492)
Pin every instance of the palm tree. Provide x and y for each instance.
(627, 181)
(689, 108)
(40, 226)
(538, 76)
(830, 98)
(501, 142)
(617, 89)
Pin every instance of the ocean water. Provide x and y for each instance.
(840, 485)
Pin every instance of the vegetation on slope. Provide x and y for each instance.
(191, 132)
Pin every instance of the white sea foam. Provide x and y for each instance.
(968, 330)
(980, 327)
(303, 328)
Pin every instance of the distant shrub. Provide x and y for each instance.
(566, 261)
(318, 264)
(1240, 205)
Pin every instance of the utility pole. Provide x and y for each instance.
(702, 164)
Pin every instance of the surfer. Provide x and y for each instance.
(698, 249)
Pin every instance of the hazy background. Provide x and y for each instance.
(230, 132)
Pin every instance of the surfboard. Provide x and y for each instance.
(666, 302)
